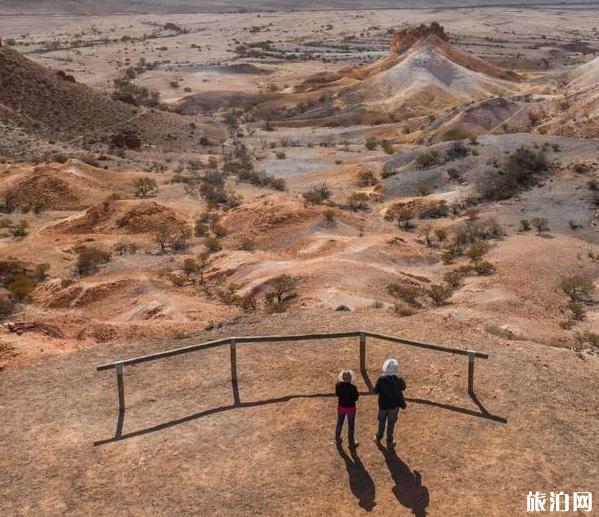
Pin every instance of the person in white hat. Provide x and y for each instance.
(347, 394)
(390, 387)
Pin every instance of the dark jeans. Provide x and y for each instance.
(389, 417)
(351, 423)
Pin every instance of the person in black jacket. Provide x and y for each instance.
(390, 388)
(347, 394)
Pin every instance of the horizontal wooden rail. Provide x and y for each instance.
(162, 355)
(436, 348)
(283, 338)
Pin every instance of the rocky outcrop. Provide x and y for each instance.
(404, 39)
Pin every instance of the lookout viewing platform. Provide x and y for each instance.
(191, 441)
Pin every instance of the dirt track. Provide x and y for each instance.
(183, 441)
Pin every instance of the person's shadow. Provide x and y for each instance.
(360, 482)
(408, 488)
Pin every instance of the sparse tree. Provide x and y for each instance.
(145, 186)
(163, 235)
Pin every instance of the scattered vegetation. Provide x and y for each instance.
(518, 172)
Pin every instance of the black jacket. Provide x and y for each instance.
(390, 389)
(347, 393)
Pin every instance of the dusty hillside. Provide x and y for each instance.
(51, 105)
(576, 112)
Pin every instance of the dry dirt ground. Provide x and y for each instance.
(187, 449)
(424, 120)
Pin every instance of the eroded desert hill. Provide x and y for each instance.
(51, 105)
(424, 73)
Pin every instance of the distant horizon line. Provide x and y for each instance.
(282, 9)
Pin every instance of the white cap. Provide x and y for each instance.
(351, 373)
(391, 367)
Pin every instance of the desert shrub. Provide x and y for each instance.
(472, 214)
(525, 225)
(403, 310)
(579, 288)
(456, 150)
(247, 244)
(177, 280)
(41, 272)
(593, 185)
(371, 143)
(358, 201)
(7, 306)
(212, 244)
(518, 172)
(279, 291)
(190, 266)
(581, 168)
(317, 195)
(439, 293)
(329, 215)
(577, 310)
(427, 159)
(21, 287)
(89, 259)
(441, 234)
(90, 159)
(454, 279)
(404, 218)
(540, 224)
(367, 179)
(19, 230)
(145, 186)
(409, 293)
(476, 251)
(201, 229)
(423, 189)
(219, 230)
(484, 267)
(248, 303)
(387, 147)
(434, 210)
(454, 174)
(281, 155)
(574, 225)
(278, 184)
(586, 339)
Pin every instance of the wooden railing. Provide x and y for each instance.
(234, 341)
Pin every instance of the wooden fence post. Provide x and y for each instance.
(120, 384)
(471, 359)
(234, 384)
(362, 352)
